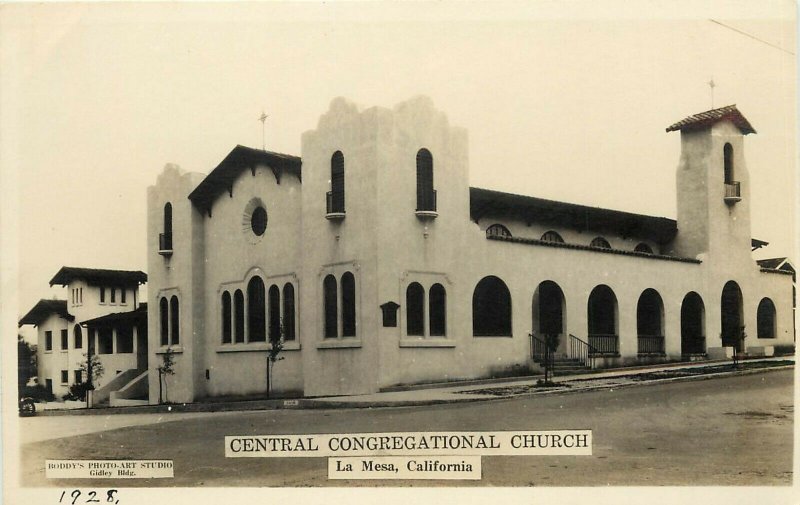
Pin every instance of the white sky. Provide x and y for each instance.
(562, 100)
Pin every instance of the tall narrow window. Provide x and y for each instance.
(226, 318)
(64, 340)
(238, 305)
(274, 305)
(165, 240)
(348, 305)
(415, 309)
(256, 317)
(337, 182)
(122, 295)
(48, 341)
(175, 319)
(491, 308)
(426, 196)
(437, 303)
(102, 295)
(163, 311)
(330, 301)
(113, 295)
(727, 153)
(78, 336)
(288, 312)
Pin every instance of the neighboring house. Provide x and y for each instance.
(103, 316)
(378, 264)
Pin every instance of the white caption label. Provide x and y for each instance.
(477, 443)
(406, 467)
(108, 469)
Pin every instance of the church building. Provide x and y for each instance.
(376, 264)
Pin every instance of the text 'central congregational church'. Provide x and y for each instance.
(378, 265)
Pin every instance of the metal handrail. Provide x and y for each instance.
(650, 344)
(733, 189)
(538, 348)
(581, 350)
(605, 343)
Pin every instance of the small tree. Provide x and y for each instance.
(26, 363)
(550, 348)
(276, 346)
(738, 348)
(91, 369)
(166, 368)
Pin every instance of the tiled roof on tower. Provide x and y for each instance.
(708, 118)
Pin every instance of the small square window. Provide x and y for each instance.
(78, 376)
(64, 376)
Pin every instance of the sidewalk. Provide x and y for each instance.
(466, 391)
(613, 378)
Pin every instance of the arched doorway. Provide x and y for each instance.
(650, 323)
(732, 320)
(603, 321)
(693, 323)
(548, 313)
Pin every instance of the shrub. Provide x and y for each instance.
(37, 392)
(78, 391)
(784, 350)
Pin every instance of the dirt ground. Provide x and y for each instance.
(730, 431)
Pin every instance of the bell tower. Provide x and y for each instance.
(713, 186)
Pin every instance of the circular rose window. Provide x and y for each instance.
(254, 220)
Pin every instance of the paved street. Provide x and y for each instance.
(724, 431)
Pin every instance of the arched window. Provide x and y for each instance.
(330, 303)
(288, 311)
(437, 310)
(491, 308)
(238, 316)
(256, 318)
(175, 320)
(348, 305)
(727, 153)
(765, 319)
(163, 313)
(415, 309)
(600, 242)
(274, 305)
(226, 318)
(552, 236)
(426, 196)
(643, 248)
(78, 336)
(337, 182)
(497, 230)
(165, 240)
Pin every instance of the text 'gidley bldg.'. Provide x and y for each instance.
(378, 265)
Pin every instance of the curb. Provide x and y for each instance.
(311, 403)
